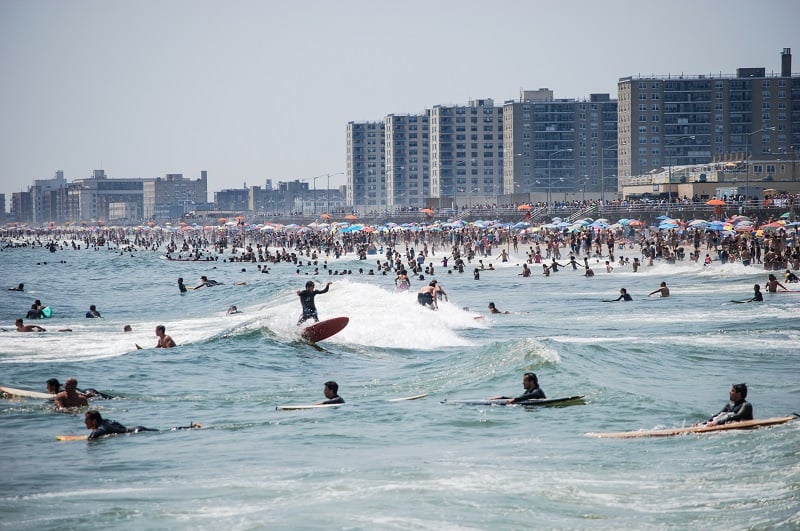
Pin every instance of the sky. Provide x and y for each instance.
(257, 90)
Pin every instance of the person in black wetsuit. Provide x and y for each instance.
(532, 390)
(205, 282)
(623, 295)
(181, 285)
(104, 427)
(332, 394)
(736, 409)
(757, 295)
(93, 313)
(307, 301)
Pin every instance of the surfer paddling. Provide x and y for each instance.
(22, 327)
(104, 427)
(307, 301)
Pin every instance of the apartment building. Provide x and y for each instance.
(556, 148)
(466, 152)
(679, 120)
(366, 166)
(407, 152)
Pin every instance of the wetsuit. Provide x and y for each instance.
(758, 297)
(335, 400)
(92, 314)
(625, 297)
(734, 412)
(112, 427)
(307, 301)
(536, 394)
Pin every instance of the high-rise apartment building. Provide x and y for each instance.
(407, 160)
(678, 120)
(466, 152)
(555, 146)
(366, 166)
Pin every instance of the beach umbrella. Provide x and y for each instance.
(661, 218)
(524, 207)
(351, 217)
(668, 225)
(623, 221)
(785, 215)
(426, 211)
(715, 202)
(521, 225)
(325, 216)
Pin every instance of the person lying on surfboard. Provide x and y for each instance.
(104, 427)
(735, 410)
(22, 327)
(332, 394)
(307, 301)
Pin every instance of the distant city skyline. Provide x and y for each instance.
(251, 91)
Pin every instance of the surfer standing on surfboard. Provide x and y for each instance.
(307, 301)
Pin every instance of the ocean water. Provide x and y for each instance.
(649, 363)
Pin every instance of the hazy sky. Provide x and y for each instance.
(252, 90)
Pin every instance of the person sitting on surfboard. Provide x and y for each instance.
(21, 327)
(737, 409)
(307, 301)
(93, 313)
(332, 394)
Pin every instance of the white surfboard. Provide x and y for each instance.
(24, 393)
(306, 406)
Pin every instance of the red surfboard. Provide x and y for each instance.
(324, 329)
